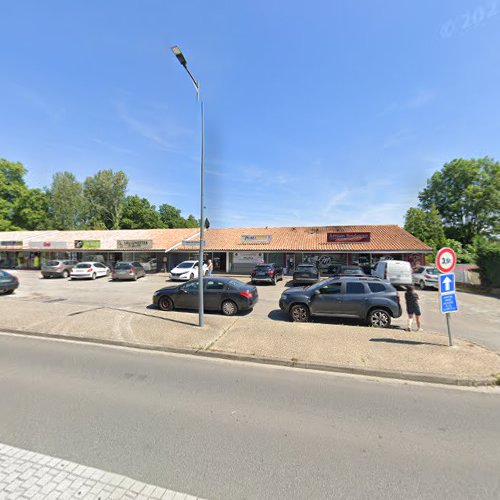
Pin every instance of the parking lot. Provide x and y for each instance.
(478, 319)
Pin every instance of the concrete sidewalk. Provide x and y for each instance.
(353, 349)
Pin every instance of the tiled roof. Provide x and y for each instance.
(382, 238)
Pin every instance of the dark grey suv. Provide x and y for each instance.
(368, 299)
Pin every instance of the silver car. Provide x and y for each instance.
(58, 268)
(426, 276)
(128, 271)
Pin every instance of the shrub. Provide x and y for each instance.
(488, 260)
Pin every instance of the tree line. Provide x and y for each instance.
(99, 202)
(460, 208)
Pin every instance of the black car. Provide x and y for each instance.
(269, 273)
(219, 294)
(343, 270)
(369, 299)
(306, 274)
(8, 282)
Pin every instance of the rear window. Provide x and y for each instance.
(83, 265)
(122, 265)
(355, 288)
(376, 287)
(52, 263)
(263, 268)
(433, 271)
(306, 268)
(237, 284)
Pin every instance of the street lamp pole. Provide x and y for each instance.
(180, 57)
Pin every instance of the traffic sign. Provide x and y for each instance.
(447, 283)
(446, 260)
(448, 303)
(190, 243)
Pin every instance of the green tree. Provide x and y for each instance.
(466, 194)
(31, 210)
(425, 225)
(66, 202)
(171, 216)
(138, 213)
(105, 198)
(192, 222)
(12, 187)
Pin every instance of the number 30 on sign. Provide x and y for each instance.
(446, 260)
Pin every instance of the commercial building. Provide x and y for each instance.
(235, 250)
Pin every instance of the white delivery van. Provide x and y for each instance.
(397, 272)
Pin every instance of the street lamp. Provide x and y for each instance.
(180, 57)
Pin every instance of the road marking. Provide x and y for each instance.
(26, 474)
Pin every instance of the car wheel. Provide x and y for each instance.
(165, 304)
(135, 277)
(300, 313)
(252, 282)
(9, 292)
(65, 274)
(229, 308)
(422, 285)
(94, 276)
(379, 318)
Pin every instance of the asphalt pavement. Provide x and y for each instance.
(219, 429)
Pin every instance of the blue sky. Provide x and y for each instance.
(325, 112)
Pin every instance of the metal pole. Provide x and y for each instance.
(450, 342)
(202, 221)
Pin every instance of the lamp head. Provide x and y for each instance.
(177, 52)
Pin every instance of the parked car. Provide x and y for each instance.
(8, 283)
(58, 268)
(269, 273)
(89, 270)
(368, 299)
(227, 295)
(306, 274)
(343, 270)
(150, 265)
(128, 271)
(397, 272)
(187, 270)
(426, 276)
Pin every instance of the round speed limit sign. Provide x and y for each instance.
(446, 260)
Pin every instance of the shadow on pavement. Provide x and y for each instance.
(404, 342)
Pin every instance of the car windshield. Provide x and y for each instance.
(52, 263)
(4, 274)
(83, 265)
(185, 265)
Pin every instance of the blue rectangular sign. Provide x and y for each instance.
(448, 303)
(447, 283)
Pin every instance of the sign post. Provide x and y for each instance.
(445, 262)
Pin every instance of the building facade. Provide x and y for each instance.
(235, 250)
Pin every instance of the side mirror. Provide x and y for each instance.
(317, 292)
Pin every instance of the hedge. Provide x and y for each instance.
(488, 260)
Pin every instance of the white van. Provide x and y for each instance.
(397, 272)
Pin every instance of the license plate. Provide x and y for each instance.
(260, 274)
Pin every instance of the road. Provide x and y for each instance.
(219, 429)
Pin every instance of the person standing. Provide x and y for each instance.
(413, 308)
(210, 267)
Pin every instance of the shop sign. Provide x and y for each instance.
(88, 244)
(134, 244)
(11, 243)
(248, 257)
(47, 244)
(348, 237)
(256, 238)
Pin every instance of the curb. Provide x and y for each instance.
(353, 370)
